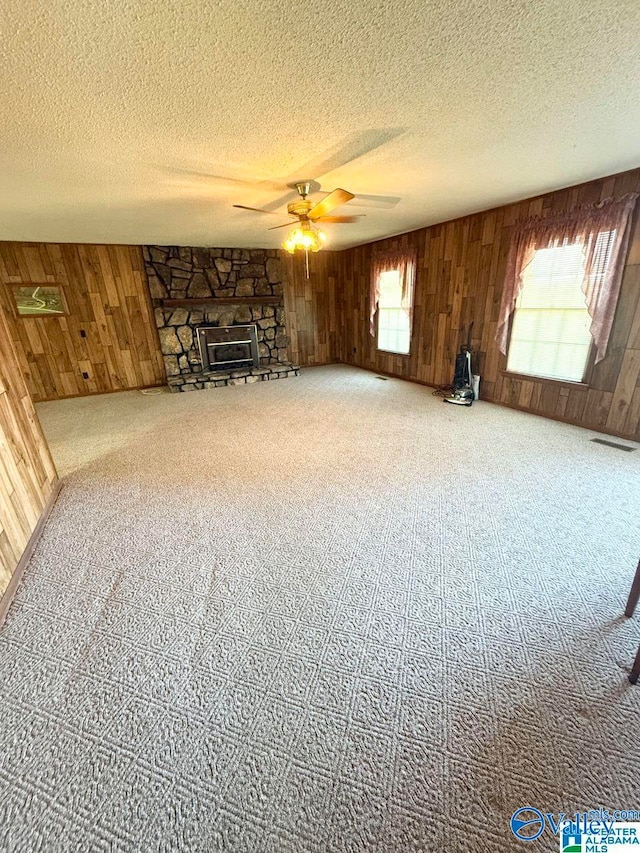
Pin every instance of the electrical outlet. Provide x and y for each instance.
(85, 375)
(83, 334)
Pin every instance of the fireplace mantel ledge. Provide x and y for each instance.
(222, 300)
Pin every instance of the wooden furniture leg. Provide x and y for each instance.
(635, 669)
(634, 595)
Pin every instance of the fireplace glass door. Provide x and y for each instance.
(228, 347)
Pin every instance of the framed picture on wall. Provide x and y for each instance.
(39, 300)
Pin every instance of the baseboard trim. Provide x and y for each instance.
(16, 577)
(392, 375)
(318, 364)
(592, 428)
(559, 419)
(98, 393)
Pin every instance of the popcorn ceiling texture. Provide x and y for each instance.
(381, 624)
(115, 116)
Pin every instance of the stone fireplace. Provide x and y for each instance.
(206, 300)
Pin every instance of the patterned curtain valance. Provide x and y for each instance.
(403, 260)
(603, 230)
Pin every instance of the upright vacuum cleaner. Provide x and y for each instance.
(462, 388)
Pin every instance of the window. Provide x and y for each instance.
(394, 324)
(39, 300)
(550, 335)
(546, 254)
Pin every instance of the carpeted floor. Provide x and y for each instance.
(321, 614)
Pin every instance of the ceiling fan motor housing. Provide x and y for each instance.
(300, 207)
(310, 212)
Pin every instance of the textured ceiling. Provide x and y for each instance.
(116, 117)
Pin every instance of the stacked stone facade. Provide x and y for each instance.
(179, 272)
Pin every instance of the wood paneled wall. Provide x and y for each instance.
(310, 305)
(27, 474)
(109, 333)
(461, 266)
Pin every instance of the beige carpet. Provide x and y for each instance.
(322, 614)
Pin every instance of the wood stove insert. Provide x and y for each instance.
(228, 347)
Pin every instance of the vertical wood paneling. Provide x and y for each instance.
(461, 267)
(107, 296)
(27, 473)
(460, 273)
(311, 308)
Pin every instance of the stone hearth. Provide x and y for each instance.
(217, 287)
(197, 381)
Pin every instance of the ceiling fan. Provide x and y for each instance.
(307, 214)
(307, 237)
(306, 210)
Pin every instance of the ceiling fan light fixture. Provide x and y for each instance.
(305, 239)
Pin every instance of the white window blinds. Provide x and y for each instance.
(550, 336)
(394, 326)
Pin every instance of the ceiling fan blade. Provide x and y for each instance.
(329, 203)
(274, 227)
(255, 209)
(355, 146)
(259, 183)
(338, 218)
(273, 206)
(382, 201)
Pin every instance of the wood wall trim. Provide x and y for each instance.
(7, 597)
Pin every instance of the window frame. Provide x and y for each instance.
(411, 319)
(585, 382)
(589, 364)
